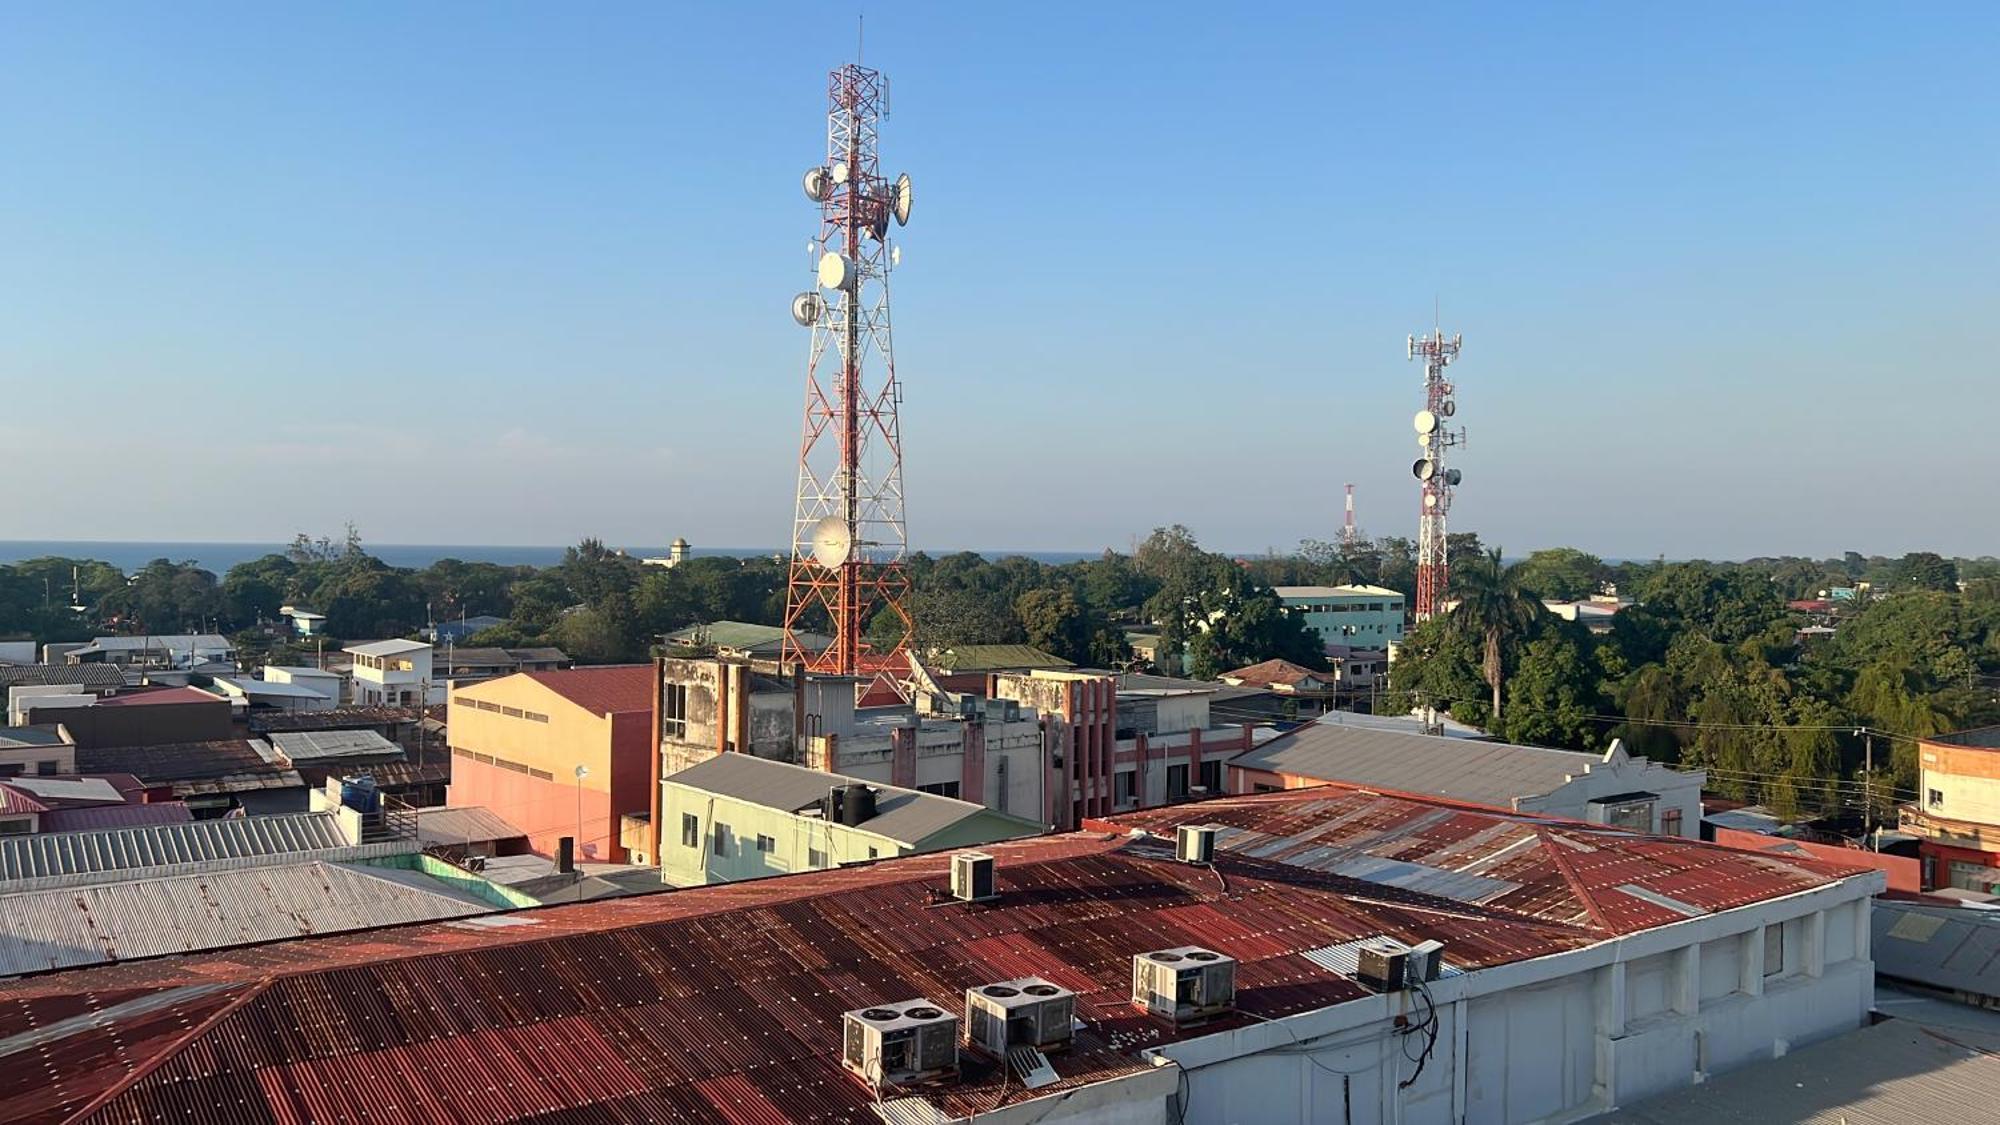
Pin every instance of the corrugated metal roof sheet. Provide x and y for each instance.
(125, 849)
(997, 658)
(67, 788)
(318, 745)
(60, 928)
(461, 826)
(116, 816)
(903, 815)
(1956, 948)
(1893, 1073)
(724, 1002)
(1490, 773)
(94, 677)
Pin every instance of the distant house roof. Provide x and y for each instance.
(1335, 592)
(268, 689)
(297, 614)
(462, 826)
(385, 648)
(1276, 674)
(226, 766)
(1980, 738)
(164, 696)
(903, 815)
(18, 802)
(343, 718)
(744, 637)
(323, 747)
(1892, 1073)
(21, 737)
(97, 817)
(997, 658)
(546, 654)
(85, 790)
(90, 677)
(1951, 948)
(603, 689)
(130, 849)
(160, 642)
(1487, 773)
(299, 670)
(63, 927)
(1402, 724)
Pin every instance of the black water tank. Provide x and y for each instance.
(857, 805)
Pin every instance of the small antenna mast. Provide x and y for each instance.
(860, 30)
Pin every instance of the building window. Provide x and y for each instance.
(815, 858)
(1211, 776)
(1125, 787)
(1774, 950)
(872, 853)
(18, 827)
(940, 789)
(1177, 782)
(1260, 787)
(722, 839)
(1936, 799)
(690, 830)
(766, 843)
(673, 711)
(1635, 816)
(1670, 822)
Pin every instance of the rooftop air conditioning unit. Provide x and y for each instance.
(1195, 843)
(1184, 984)
(1029, 1012)
(899, 1044)
(972, 877)
(968, 706)
(1382, 965)
(1426, 961)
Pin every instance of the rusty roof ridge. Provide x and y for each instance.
(1422, 902)
(1577, 886)
(173, 1048)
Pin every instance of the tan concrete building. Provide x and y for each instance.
(518, 742)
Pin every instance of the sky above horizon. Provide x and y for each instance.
(511, 273)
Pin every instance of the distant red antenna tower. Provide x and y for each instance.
(1436, 437)
(1347, 533)
(848, 537)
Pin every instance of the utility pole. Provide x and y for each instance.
(1867, 784)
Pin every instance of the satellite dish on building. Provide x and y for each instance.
(831, 542)
(1425, 421)
(817, 186)
(1423, 468)
(807, 308)
(900, 199)
(836, 272)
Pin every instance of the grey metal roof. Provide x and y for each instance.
(62, 927)
(1948, 947)
(314, 745)
(1893, 1073)
(385, 648)
(70, 788)
(95, 677)
(1487, 773)
(463, 826)
(162, 642)
(17, 737)
(273, 688)
(903, 815)
(125, 849)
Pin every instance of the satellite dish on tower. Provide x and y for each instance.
(840, 173)
(836, 272)
(831, 542)
(1449, 408)
(899, 197)
(807, 308)
(1423, 468)
(1452, 476)
(1430, 500)
(817, 186)
(895, 255)
(1425, 421)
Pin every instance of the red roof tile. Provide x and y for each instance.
(724, 1002)
(605, 689)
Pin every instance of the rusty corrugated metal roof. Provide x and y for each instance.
(724, 1002)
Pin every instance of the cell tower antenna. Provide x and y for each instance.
(847, 578)
(1348, 536)
(1435, 438)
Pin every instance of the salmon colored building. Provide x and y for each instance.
(1956, 816)
(516, 743)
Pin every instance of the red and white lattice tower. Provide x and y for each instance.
(1347, 532)
(1435, 436)
(848, 537)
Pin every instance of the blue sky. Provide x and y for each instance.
(498, 273)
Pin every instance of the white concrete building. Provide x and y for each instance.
(393, 674)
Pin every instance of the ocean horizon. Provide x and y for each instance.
(219, 557)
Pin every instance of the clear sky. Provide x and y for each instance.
(499, 273)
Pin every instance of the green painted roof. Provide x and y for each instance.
(730, 634)
(995, 658)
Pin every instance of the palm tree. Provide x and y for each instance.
(1492, 609)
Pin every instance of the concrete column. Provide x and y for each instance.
(1609, 990)
(1751, 983)
(1863, 931)
(1816, 944)
(1687, 980)
(972, 769)
(903, 757)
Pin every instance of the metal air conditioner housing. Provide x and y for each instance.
(1025, 1012)
(1382, 965)
(1184, 984)
(899, 1044)
(972, 877)
(1195, 843)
